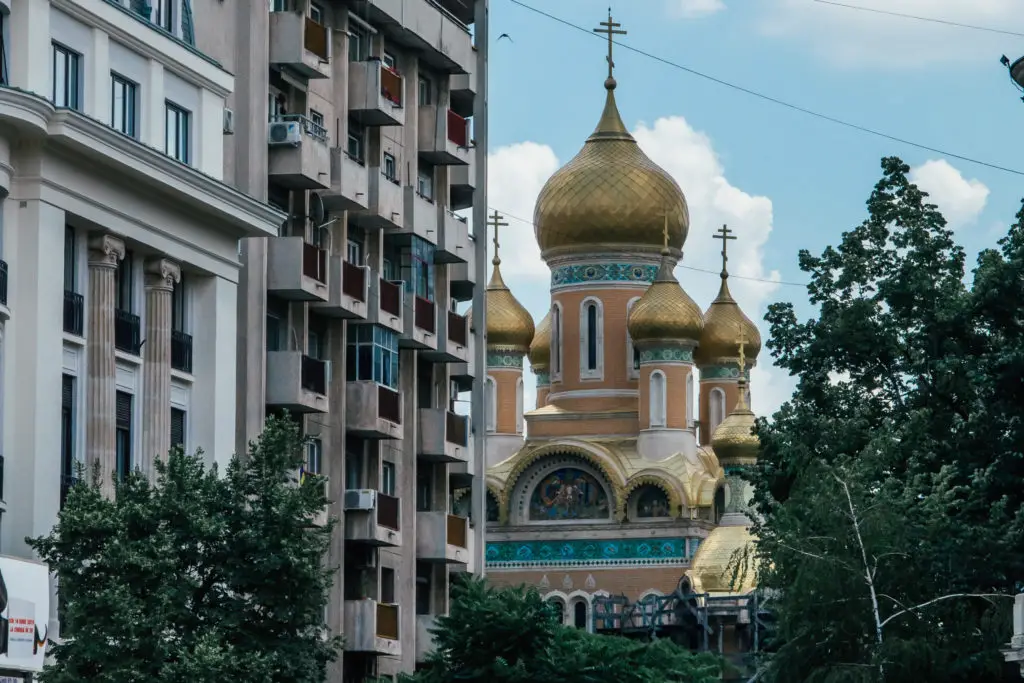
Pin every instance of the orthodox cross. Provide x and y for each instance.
(743, 356)
(609, 28)
(724, 234)
(664, 234)
(496, 222)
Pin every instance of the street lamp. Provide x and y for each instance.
(1016, 70)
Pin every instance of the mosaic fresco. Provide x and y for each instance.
(568, 493)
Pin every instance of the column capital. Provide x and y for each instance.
(105, 251)
(162, 274)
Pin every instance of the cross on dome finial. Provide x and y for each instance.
(610, 29)
(725, 234)
(496, 222)
(742, 342)
(664, 235)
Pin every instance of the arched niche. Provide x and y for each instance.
(649, 502)
(493, 507)
(562, 489)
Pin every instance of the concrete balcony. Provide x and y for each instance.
(461, 474)
(350, 184)
(375, 94)
(463, 373)
(443, 136)
(463, 92)
(300, 45)
(387, 304)
(386, 205)
(299, 157)
(443, 436)
(372, 410)
(373, 518)
(453, 237)
(348, 291)
(462, 183)
(420, 324)
(297, 383)
(462, 276)
(372, 627)
(425, 623)
(420, 216)
(296, 269)
(452, 339)
(470, 565)
(441, 537)
(426, 27)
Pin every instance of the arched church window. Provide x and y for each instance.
(632, 353)
(556, 341)
(559, 608)
(568, 494)
(519, 406)
(491, 403)
(492, 508)
(591, 339)
(716, 406)
(579, 614)
(689, 399)
(657, 399)
(652, 502)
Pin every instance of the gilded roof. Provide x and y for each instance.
(540, 349)
(509, 324)
(718, 557)
(665, 312)
(609, 196)
(734, 440)
(724, 325)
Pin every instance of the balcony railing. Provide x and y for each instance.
(66, 482)
(353, 281)
(391, 85)
(314, 262)
(181, 351)
(389, 404)
(3, 282)
(391, 297)
(127, 332)
(313, 130)
(316, 39)
(314, 375)
(74, 313)
(425, 317)
(387, 621)
(456, 431)
(458, 129)
(456, 531)
(458, 329)
(388, 511)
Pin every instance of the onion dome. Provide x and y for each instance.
(734, 441)
(665, 312)
(540, 349)
(509, 324)
(724, 325)
(610, 196)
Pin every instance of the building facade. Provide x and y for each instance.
(111, 166)
(618, 495)
(364, 123)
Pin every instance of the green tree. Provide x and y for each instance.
(891, 519)
(512, 636)
(196, 577)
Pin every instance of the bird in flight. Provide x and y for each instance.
(505, 35)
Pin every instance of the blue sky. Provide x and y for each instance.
(784, 180)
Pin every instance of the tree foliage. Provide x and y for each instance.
(909, 400)
(196, 577)
(512, 636)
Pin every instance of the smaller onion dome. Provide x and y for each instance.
(734, 441)
(509, 324)
(540, 349)
(724, 325)
(665, 312)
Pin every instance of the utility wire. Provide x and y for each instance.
(775, 100)
(932, 20)
(716, 273)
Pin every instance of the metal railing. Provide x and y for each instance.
(388, 511)
(457, 531)
(313, 130)
(389, 404)
(74, 313)
(458, 129)
(127, 332)
(314, 375)
(458, 329)
(456, 429)
(353, 281)
(181, 351)
(391, 297)
(314, 262)
(425, 316)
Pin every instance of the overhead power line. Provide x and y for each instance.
(775, 100)
(716, 273)
(930, 20)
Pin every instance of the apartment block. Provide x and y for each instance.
(364, 123)
(111, 167)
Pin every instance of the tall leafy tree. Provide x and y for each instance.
(891, 522)
(196, 577)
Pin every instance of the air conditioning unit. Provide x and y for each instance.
(360, 499)
(229, 122)
(284, 133)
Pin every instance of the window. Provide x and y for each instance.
(491, 398)
(316, 13)
(424, 487)
(579, 614)
(689, 399)
(387, 585)
(426, 91)
(163, 14)
(70, 260)
(356, 142)
(317, 119)
(389, 61)
(372, 355)
(425, 182)
(632, 353)
(591, 339)
(657, 399)
(124, 296)
(390, 167)
(316, 338)
(278, 5)
(556, 341)
(275, 332)
(177, 141)
(387, 478)
(123, 101)
(67, 430)
(178, 426)
(354, 464)
(276, 106)
(354, 248)
(358, 43)
(559, 607)
(67, 77)
(716, 408)
(519, 406)
(314, 456)
(123, 433)
(179, 311)
(418, 268)
(3, 49)
(423, 582)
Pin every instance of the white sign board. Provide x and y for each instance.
(24, 614)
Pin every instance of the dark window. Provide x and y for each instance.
(426, 91)
(179, 420)
(123, 433)
(354, 464)
(124, 296)
(316, 340)
(387, 585)
(636, 358)
(354, 248)
(556, 340)
(423, 581)
(579, 616)
(592, 337)
(418, 269)
(387, 478)
(424, 487)
(67, 430)
(425, 181)
(177, 142)
(314, 456)
(70, 260)
(390, 167)
(372, 355)
(356, 142)
(358, 44)
(163, 14)
(178, 311)
(316, 13)
(67, 77)
(3, 49)
(123, 103)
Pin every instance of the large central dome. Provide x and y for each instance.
(610, 197)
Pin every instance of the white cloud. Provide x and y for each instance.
(518, 172)
(694, 9)
(960, 200)
(855, 38)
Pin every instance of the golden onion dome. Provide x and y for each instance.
(509, 324)
(726, 549)
(734, 441)
(724, 325)
(610, 196)
(665, 312)
(540, 349)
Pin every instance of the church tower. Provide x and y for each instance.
(736, 446)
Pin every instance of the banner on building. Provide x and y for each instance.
(24, 614)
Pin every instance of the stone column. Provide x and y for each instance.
(161, 276)
(105, 252)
